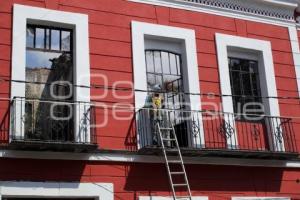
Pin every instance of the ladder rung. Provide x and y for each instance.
(180, 185)
(174, 161)
(176, 173)
(169, 139)
(172, 149)
(175, 149)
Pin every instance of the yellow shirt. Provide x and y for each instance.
(157, 101)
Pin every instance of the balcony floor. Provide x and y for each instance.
(62, 146)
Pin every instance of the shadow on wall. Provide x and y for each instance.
(4, 122)
(42, 170)
(131, 139)
(152, 178)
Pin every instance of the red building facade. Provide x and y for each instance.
(77, 76)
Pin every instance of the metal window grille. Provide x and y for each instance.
(245, 85)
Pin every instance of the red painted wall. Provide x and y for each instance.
(111, 55)
(133, 179)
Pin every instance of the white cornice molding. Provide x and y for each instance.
(278, 12)
(277, 9)
(138, 158)
(290, 3)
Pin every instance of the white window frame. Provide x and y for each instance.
(293, 32)
(260, 198)
(187, 39)
(169, 198)
(22, 15)
(263, 51)
(22, 189)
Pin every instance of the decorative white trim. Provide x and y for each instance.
(187, 39)
(136, 158)
(261, 198)
(296, 53)
(182, 4)
(56, 189)
(169, 198)
(263, 51)
(257, 8)
(79, 23)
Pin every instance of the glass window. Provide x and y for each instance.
(173, 64)
(245, 87)
(164, 76)
(65, 41)
(47, 39)
(165, 86)
(165, 62)
(55, 40)
(48, 62)
(150, 61)
(157, 62)
(39, 38)
(30, 37)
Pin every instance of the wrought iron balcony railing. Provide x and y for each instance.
(52, 124)
(206, 130)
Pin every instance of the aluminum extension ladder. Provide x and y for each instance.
(169, 145)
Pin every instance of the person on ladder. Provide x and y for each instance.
(157, 101)
(159, 115)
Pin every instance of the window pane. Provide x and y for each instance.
(45, 67)
(244, 65)
(61, 110)
(149, 61)
(55, 40)
(165, 62)
(150, 80)
(235, 83)
(158, 82)
(30, 37)
(157, 62)
(65, 41)
(244, 81)
(170, 83)
(47, 39)
(235, 64)
(39, 38)
(253, 66)
(39, 59)
(256, 85)
(163, 79)
(28, 117)
(247, 85)
(173, 64)
(178, 64)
